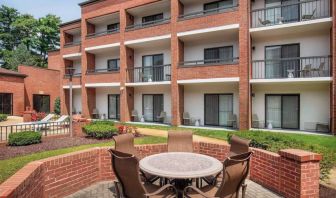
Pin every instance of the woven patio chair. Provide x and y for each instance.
(180, 141)
(126, 169)
(125, 143)
(235, 171)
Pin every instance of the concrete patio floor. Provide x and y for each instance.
(106, 190)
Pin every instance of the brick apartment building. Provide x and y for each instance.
(227, 63)
(32, 87)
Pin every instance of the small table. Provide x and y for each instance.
(181, 166)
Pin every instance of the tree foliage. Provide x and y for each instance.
(26, 40)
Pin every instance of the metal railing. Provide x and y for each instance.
(149, 74)
(74, 75)
(300, 67)
(294, 12)
(93, 71)
(208, 12)
(45, 128)
(103, 33)
(234, 60)
(148, 24)
(70, 44)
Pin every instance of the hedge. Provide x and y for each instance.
(3, 117)
(24, 138)
(100, 129)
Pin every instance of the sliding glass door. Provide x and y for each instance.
(283, 111)
(114, 106)
(217, 109)
(152, 106)
(282, 11)
(152, 67)
(41, 103)
(280, 59)
(6, 103)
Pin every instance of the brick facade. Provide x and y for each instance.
(291, 173)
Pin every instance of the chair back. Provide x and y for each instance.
(95, 111)
(125, 143)
(126, 169)
(62, 118)
(180, 141)
(321, 67)
(186, 115)
(48, 117)
(163, 114)
(255, 117)
(134, 113)
(239, 145)
(236, 169)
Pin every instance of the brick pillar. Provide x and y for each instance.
(90, 28)
(333, 84)
(299, 173)
(177, 55)
(244, 65)
(65, 102)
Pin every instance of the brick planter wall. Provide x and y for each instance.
(291, 173)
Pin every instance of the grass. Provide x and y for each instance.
(272, 141)
(10, 166)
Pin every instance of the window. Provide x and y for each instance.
(113, 27)
(113, 106)
(152, 106)
(41, 103)
(152, 73)
(113, 65)
(211, 7)
(218, 55)
(217, 109)
(152, 18)
(6, 103)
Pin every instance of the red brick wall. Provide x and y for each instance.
(41, 81)
(54, 60)
(291, 173)
(203, 72)
(14, 85)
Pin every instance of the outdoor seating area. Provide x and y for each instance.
(179, 172)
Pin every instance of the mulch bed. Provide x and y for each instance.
(47, 144)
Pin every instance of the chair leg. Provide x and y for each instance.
(244, 186)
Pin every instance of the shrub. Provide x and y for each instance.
(100, 129)
(3, 117)
(103, 122)
(57, 106)
(24, 138)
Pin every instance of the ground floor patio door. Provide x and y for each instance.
(283, 111)
(114, 106)
(41, 103)
(152, 106)
(6, 103)
(217, 109)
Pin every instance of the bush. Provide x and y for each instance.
(57, 106)
(103, 122)
(3, 117)
(100, 129)
(24, 138)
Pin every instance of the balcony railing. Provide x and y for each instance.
(104, 70)
(290, 13)
(149, 74)
(75, 75)
(230, 61)
(208, 12)
(300, 67)
(103, 33)
(148, 24)
(70, 44)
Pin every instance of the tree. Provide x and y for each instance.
(20, 56)
(57, 106)
(25, 27)
(48, 31)
(8, 38)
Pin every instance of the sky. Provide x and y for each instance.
(66, 9)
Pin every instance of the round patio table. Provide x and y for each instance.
(180, 166)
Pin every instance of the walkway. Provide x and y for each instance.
(164, 133)
(106, 190)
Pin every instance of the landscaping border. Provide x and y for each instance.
(291, 173)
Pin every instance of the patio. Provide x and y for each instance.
(107, 190)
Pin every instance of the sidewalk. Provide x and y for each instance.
(163, 133)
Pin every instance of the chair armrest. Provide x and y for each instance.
(160, 190)
(197, 190)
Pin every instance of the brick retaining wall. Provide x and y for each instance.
(291, 173)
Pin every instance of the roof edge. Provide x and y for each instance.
(16, 75)
(89, 2)
(70, 22)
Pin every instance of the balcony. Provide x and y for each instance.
(104, 70)
(103, 33)
(148, 24)
(208, 12)
(290, 13)
(149, 74)
(291, 68)
(71, 44)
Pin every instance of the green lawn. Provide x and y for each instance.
(10, 166)
(272, 141)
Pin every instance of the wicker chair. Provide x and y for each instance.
(126, 169)
(180, 141)
(235, 171)
(125, 143)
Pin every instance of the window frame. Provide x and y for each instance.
(113, 60)
(154, 16)
(217, 48)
